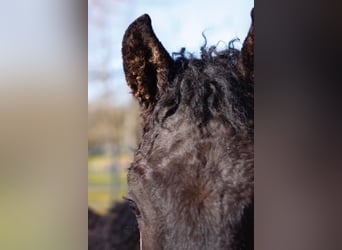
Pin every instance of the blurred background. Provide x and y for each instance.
(44, 112)
(113, 115)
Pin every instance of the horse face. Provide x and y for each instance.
(191, 182)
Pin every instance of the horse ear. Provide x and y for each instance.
(247, 52)
(146, 63)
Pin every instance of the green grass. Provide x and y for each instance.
(106, 178)
(98, 179)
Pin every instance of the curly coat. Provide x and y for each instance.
(191, 183)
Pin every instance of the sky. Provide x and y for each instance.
(177, 24)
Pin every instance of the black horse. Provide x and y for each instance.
(117, 230)
(191, 183)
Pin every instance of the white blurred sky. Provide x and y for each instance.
(177, 24)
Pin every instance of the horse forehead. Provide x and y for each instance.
(182, 140)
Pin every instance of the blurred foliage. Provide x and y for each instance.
(112, 129)
(113, 134)
(107, 182)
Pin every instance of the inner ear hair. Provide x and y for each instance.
(147, 64)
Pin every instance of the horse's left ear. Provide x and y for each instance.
(146, 63)
(247, 52)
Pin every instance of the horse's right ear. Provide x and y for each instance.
(247, 52)
(146, 63)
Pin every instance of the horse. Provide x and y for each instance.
(116, 230)
(191, 183)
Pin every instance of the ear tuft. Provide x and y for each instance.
(147, 64)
